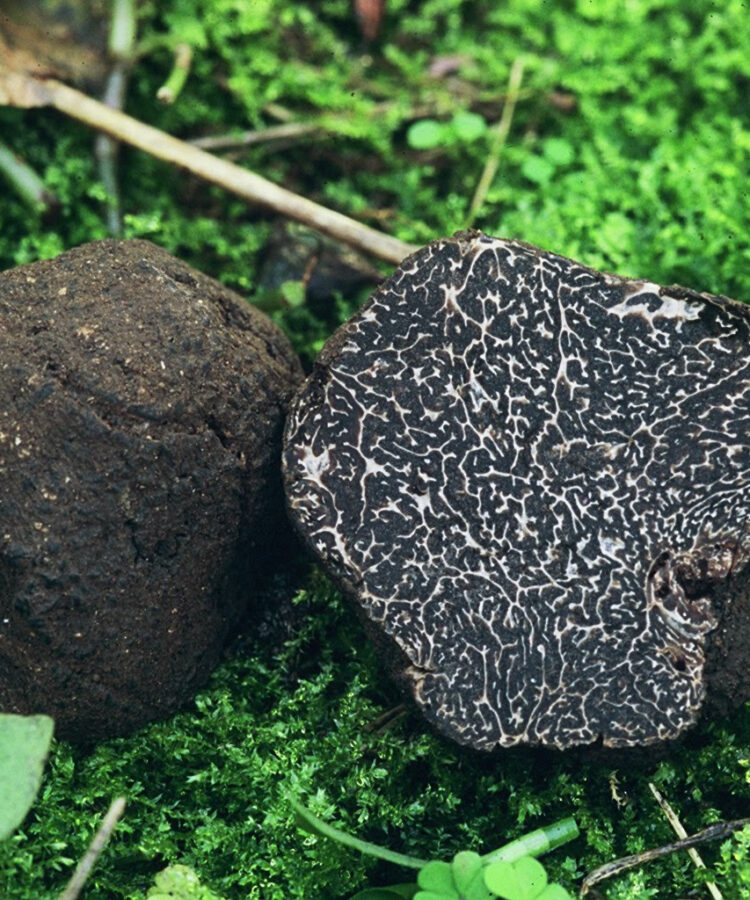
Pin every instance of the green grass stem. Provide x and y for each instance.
(535, 843)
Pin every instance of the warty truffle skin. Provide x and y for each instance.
(141, 410)
(533, 478)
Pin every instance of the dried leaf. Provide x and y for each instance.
(65, 39)
(20, 90)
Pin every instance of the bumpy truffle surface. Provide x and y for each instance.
(534, 478)
(141, 411)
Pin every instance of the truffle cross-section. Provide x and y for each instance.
(534, 479)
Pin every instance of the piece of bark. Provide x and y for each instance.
(141, 410)
(533, 478)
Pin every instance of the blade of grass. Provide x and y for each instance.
(498, 141)
(535, 843)
(318, 826)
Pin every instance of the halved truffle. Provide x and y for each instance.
(534, 479)
(141, 412)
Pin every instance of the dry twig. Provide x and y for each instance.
(25, 180)
(387, 719)
(99, 842)
(679, 830)
(20, 90)
(718, 832)
(284, 131)
(121, 41)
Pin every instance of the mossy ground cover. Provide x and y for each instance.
(628, 150)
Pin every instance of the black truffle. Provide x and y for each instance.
(534, 479)
(141, 410)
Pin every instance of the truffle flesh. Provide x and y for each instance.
(534, 479)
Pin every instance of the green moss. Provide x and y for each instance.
(206, 788)
(628, 150)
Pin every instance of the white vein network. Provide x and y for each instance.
(532, 477)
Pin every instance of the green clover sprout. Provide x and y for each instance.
(462, 879)
(426, 134)
(524, 879)
(179, 882)
(511, 872)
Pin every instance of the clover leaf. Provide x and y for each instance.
(426, 134)
(179, 882)
(513, 873)
(394, 892)
(468, 126)
(524, 879)
(461, 879)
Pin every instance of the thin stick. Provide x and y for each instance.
(106, 149)
(122, 30)
(385, 719)
(717, 832)
(499, 139)
(121, 40)
(25, 91)
(679, 830)
(246, 138)
(99, 842)
(25, 180)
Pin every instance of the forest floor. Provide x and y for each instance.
(627, 149)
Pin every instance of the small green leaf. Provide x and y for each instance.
(523, 879)
(558, 151)
(537, 169)
(293, 292)
(466, 866)
(179, 882)
(426, 134)
(554, 892)
(468, 876)
(437, 876)
(468, 126)
(24, 744)
(395, 892)
(407, 891)
(531, 871)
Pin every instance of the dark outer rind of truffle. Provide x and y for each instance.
(141, 410)
(533, 479)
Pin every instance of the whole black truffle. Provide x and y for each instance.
(534, 479)
(141, 410)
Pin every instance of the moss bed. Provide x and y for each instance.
(629, 151)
